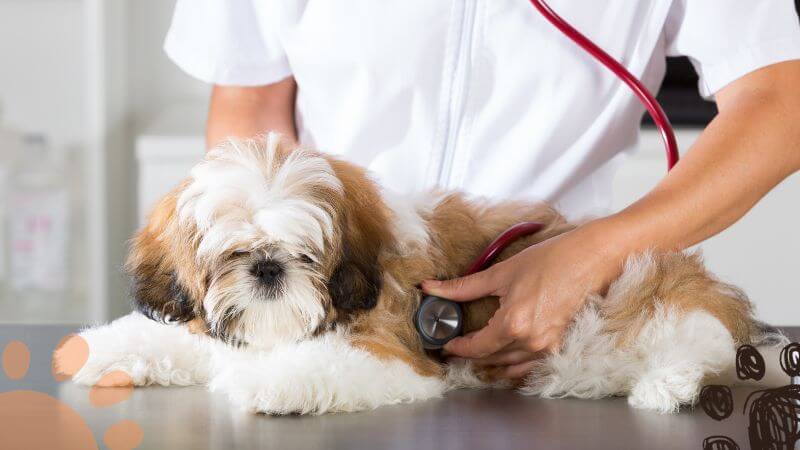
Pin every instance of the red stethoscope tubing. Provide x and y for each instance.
(653, 108)
(504, 240)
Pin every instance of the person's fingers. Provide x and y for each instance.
(464, 289)
(507, 357)
(514, 372)
(479, 344)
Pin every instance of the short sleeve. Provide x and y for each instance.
(225, 42)
(726, 39)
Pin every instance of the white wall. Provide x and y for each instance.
(110, 149)
(86, 73)
(43, 52)
(154, 82)
(43, 90)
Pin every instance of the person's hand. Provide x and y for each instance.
(540, 291)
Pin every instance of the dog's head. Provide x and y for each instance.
(263, 243)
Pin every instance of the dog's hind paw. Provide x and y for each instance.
(664, 394)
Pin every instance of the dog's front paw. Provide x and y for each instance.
(71, 360)
(317, 376)
(267, 399)
(89, 360)
(268, 387)
(272, 392)
(134, 350)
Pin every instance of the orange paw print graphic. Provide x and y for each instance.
(35, 420)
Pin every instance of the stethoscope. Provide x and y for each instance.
(439, 320)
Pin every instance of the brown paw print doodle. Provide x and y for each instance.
(773, 414)
(35, 420)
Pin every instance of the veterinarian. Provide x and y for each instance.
(487, 97)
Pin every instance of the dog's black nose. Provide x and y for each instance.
(267, 271)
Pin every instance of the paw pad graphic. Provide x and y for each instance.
(31, 419)
(773, 414)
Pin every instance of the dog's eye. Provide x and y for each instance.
(238, 253)
(306, 259)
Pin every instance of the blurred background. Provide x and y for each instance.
(96, 123)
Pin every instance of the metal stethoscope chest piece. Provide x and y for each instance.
(438, 320)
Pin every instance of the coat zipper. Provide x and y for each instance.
(457, 89)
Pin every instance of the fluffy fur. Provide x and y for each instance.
(287, 279)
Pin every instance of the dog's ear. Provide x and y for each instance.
(355, 283)
(159, 289)
(157, 293)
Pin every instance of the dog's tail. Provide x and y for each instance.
(762, 363)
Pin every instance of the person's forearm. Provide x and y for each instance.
(250, 111)
(750, 147)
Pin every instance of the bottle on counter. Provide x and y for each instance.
(38, 222)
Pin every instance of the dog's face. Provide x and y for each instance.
(262, 244)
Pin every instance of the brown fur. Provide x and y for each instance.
(364, 228)
(460, 230)
(373, 283)
(162, 263)
(680, 281)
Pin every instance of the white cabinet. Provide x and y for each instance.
(168, 148)
(758, 253)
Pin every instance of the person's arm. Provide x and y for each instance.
(750, 147)
(249, 111)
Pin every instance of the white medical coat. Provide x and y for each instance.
(479, 95)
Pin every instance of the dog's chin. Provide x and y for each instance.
(262, 319)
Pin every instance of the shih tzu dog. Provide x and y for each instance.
(288, 280)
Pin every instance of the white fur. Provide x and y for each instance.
(664, 367)
(318, 375)
(324, 374)
(240, 197)
(148, 351)
(409, 226)
(264, 322)
(587, 365)
(679, 353)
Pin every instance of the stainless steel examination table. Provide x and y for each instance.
(174, 418)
